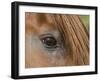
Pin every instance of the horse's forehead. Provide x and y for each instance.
(39, 18)
(40, 22)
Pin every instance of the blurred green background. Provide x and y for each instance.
(85, 20)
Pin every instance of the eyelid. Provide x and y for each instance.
(46, 35)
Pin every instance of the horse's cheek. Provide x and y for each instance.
(35, 55)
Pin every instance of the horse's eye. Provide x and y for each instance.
(49, 42)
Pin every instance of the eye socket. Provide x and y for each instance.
(49, 41)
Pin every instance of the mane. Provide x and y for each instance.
(75, 38)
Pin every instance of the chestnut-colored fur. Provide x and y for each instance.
(69, 31)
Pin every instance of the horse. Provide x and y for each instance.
(53, 40)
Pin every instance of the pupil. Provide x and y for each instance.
(50, 41)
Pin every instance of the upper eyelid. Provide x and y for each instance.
(53, 33)
(46, 35)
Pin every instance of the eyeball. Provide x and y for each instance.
(49, 41)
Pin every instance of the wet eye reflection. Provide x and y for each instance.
(49, 41)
